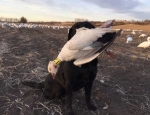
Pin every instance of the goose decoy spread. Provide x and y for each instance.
(145, 44)
(129, 39)
(84, 46)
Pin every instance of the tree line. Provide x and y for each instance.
(21, 20)
(116, 22)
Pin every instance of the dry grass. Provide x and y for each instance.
(133, 26)
(121, 85)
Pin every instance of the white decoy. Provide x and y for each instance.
(142, 35)
(133, 32)
(83, 47)
(4, 25)
(129, 39)
(145, 44)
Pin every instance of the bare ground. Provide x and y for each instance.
(121, 86)
(134, 27)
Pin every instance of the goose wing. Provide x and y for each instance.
(107, 24)
(92, 56)
(86, 37)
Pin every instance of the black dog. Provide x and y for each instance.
(70, 78)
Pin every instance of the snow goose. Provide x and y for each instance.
(129, 39)
(133, 33)
(145, 44)
(142, 35)
(84, 46)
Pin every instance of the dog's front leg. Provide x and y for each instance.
(88, 88)
(69, 110)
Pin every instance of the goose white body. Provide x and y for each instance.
(145, 44)
(129, 39)
(83, 44)
(142, 35)
(133, 32)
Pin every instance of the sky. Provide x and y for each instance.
(68, 10)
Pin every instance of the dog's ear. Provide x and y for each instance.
(71, 33)
(72, 30)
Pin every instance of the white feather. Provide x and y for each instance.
(82, 47)
(129, 39)
(77, 42)
(145, 44)
(82, 44)
(85, 59)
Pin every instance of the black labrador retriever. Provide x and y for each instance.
(70, 78)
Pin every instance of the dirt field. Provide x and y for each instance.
(122, 85)
(135, 27)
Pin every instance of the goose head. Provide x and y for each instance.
(148, 39)
(52, 68)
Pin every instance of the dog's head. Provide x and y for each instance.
(77, 25)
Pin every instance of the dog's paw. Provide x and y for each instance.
(92, 107)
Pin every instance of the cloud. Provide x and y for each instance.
(127, 7)
(117, 5)
(69, 10)
(37, 2)
(34, 3)
(141, 15)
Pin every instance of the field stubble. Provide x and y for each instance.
(121, 86)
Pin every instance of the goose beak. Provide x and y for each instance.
(110, 54)
(53, 75)
(52, 68)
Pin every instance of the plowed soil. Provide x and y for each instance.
(122, 85)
